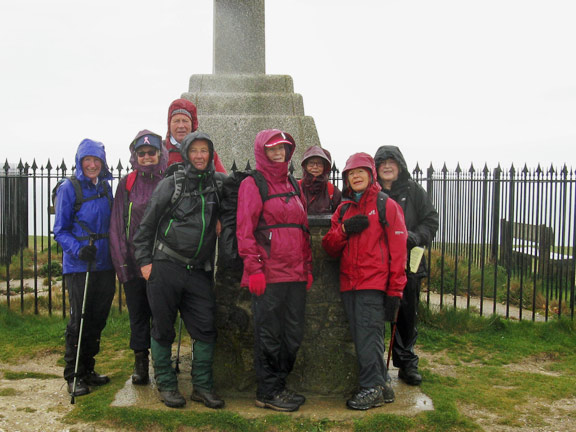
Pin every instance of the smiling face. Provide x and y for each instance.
(276, 153)
(359, 179)
(91, 167)
(180, 126)
(315, 166)
(388, 172)
(147, 155)
(199, 154)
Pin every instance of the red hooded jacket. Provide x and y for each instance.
(282, 253)
(174, 152)
(375, 258)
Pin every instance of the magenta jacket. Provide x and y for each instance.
(282, 253)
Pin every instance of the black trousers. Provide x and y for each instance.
(101, 287)
(403, 355)
(279, 316)
(139, 313)
(173, 288)
(365, 312)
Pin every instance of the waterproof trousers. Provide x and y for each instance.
(101, 288)
(278, 331)
(172, 288)
(403, 355)
(139, 313)
(365, 312)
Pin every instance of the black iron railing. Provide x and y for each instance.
(505, 242)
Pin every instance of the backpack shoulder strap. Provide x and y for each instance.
(381, 204)
(295, 184)
(78, 192)
(261, 183)
(343, 210)
(178, 177)
(130, 180)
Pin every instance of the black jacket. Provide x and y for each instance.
(187, 227)
(419, 213)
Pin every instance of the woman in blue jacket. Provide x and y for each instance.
(83, 205)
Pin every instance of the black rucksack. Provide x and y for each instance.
(81, 199)
(228, 245)
(380, 204)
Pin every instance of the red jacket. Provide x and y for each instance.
(282, 253)
(376, 257)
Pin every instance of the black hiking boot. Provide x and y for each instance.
(293, 396)
(208, 398)
(172, 398)
(410, 376)
(92, 378)
(277, 402)
(371, 397)
(81, 388)
(141, 363)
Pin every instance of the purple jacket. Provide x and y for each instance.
(283, 254)
(128, 210)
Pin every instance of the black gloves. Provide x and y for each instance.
(87, 253)
(391, 305)
(356, 224)
(413, 240)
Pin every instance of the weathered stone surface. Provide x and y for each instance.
(232, 109)
(326, 362)
(239, 36)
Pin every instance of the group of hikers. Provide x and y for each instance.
(158, 236)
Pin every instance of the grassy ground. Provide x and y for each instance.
(473, 368)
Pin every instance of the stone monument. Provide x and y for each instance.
(234, 103)
(238, 100)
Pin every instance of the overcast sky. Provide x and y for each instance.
(482, 81)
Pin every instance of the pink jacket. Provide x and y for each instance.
(282, 253)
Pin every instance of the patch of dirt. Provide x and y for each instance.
(41, 404)
(532, 416)
(37, 404)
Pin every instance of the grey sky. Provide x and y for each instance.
(469, 81)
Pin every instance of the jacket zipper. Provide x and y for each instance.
(203, 220)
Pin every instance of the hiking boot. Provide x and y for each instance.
(92, 378)
(172, 398)
(209, 398)
(368, 398)
(277, 402)
(410, 376)
(141, 363)
(387, 393)
(293, 396)
(81, 388)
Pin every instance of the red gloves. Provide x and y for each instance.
(310, 280)
(257, 284)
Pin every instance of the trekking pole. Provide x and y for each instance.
(177, 368)
(392, 337)
(91, 243)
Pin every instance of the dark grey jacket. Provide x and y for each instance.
(188, 227)
(419, 213)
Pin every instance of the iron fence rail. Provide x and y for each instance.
(505, 236)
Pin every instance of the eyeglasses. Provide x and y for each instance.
(144, 153)
(312, 163)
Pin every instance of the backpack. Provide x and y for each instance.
(81, 199)
(380, 204)
(228, 245)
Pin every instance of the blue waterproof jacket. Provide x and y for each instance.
(94, 214)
